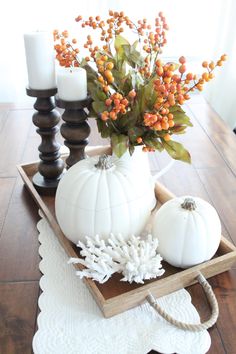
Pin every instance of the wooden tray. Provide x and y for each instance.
(114, 296)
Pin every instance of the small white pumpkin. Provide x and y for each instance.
(102, 195)
(188, 230)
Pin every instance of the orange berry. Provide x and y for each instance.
(199, 87)
(205, 64)
(125, 102)
(168, 104)
(105, 89)
(101, 68)
(164, 125)
(108, 74)
(116, 102)
(189, 76)
(171, 97)
(163, 111)
(219, 63)
(87, 58)
(132, 94)
(100, 79)
(158, 63)
(169, 73)
(167, 137)
(224, 57)
(110, 80)
(139, 140)
(109, 65)
(99, 62)
(160, 99)
(157, 126)
(104, 116)
(171, 123)
(104, 57)
(74, 40)
(212, 65)
(145, 149)
(167, 80)
(205, 76)
(165, 119)
(182, 69)
(113, 115)
(182, 60)
(108, 102)
(160, 71)
(79, 18)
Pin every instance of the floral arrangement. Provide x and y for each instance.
(137, 260)
(137, 98)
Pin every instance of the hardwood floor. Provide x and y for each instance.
(211, 176)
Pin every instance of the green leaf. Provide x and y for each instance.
(131, 149)
(136, 79)
(91, 73)
(92, 113)
(118, 75)
(119, 42)
(153, 143)
(135, 44)
(176, 108)
(132, 56)
(176, 150)
(119, 144)
(103, 128)
(99, 106)
(134, 133)
(96, 92)
(147, 96)
(181, 118)
(179, 129)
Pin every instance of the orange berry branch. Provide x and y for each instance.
(137, 97)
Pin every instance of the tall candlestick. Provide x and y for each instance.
(46, 119)
(40, 60)
(72, 84)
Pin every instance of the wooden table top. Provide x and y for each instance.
(211, 176)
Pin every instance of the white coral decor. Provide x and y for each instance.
(135, 258)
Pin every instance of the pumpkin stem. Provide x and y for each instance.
(189, 204)
(104, 162)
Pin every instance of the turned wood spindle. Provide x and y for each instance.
(46, 119)
(76, 129)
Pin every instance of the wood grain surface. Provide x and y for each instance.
(211, 176)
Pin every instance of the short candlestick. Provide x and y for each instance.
(76, 129)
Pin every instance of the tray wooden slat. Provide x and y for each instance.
(114, 296)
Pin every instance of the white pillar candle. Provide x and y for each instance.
(72, 84)
(40, 59)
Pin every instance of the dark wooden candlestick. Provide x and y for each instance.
(51, 166)
(76, 129)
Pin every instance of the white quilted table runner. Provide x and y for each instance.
(70, 322)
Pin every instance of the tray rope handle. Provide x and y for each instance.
(188, 326)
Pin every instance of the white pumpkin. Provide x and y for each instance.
(188, 230)
(100, 195)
